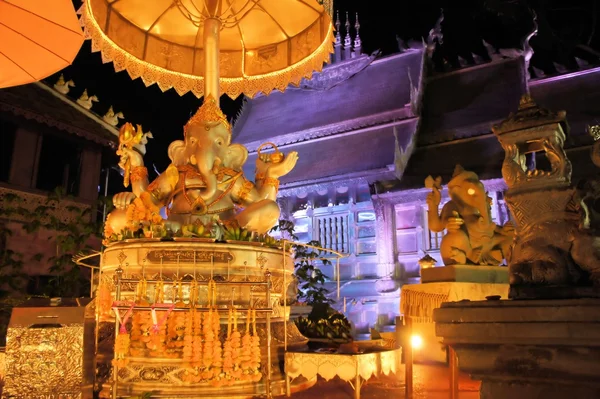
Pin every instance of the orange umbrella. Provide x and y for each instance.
(37, 39)
(213, 46)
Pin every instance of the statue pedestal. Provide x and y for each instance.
(465, 274)
(526, 349)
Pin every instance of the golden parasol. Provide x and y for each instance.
(212, 46)
(37, 39)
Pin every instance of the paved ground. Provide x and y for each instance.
(430, 382)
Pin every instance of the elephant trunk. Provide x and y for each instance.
(207, 169)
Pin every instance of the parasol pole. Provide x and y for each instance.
(212, 29)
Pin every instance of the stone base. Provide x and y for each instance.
(552, 292)
(526, 349)
(465, 274)
(503, 389)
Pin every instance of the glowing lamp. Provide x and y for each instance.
(416, 342)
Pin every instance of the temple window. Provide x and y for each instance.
(332, 231)
(365, 233)
(407, 223)
(434, 240)
(59, 165)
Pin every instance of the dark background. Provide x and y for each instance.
(565, 28)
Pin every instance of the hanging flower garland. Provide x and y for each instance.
(192, 329)
(236, 339)
(207, 353)
(209, 335)
(217, 348)
(141, 322)
(228, 351)
(255, 351)
(158, 330)
(176, 324)
(122, 340)
(192, 339)
(105, 300)
(197, 341)
(197, 326)
(188, 336)
(245, 352)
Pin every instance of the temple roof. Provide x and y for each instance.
(578, 93)
(343, 122)
(364, 151)
(38, 102)
(348, 95)
(459, 131)
(464, 103)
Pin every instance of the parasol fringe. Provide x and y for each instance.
(183, 83)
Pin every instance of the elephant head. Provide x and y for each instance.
(207, 145)
(466, 190)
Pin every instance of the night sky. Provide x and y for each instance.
(500, 22)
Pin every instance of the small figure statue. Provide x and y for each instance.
(472, 238)
(87, 101)
(594, 131)
(128, 138)
(111, 118)
(63, 87)
(205, 179)
(217, 232)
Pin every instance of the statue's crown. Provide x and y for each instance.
(209, 111)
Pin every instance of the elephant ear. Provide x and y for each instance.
(176, 153)
(235, 157)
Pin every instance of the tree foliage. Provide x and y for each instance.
(69, 238)
(307, 268)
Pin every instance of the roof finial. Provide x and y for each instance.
(338, 37)
(436, 37)
(527, 49)
(357, 41)
(337, 49)
(347, 39)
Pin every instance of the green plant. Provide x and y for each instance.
(332, 326)
(309, 276)
(11, 262)
(70, 237)
(286, 229)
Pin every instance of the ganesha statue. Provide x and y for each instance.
(471, 238)
(204, 182)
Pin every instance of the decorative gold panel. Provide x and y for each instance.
(44, 362)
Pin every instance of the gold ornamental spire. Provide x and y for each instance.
(209, 111)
